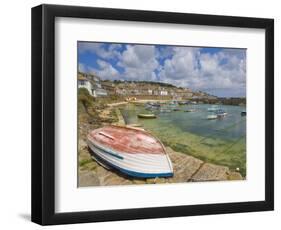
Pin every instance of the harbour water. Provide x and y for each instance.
(219, 141)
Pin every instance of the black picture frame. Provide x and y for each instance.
(43, 114)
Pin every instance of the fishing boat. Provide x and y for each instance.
(156, 104)
(152, 106)
(146, 115)
(221, 113)
(130, 151)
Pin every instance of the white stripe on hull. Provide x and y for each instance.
(141, 163)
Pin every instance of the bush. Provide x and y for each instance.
(84, 97)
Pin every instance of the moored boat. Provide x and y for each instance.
(243, 113)
(221, 113)
(131, 151)
(147, 115)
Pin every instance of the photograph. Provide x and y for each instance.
(156, 114)
(174, 108)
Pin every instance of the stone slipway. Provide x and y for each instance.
(186, 169)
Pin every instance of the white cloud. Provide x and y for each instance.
(164, 52)
(105, 71)
(139, 62)
(193, 68)
(182, 68)
(100, 50)
(115, 46)
(228, 70)
(222, 71)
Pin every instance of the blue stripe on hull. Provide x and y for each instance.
(109, 152)
(129, 172)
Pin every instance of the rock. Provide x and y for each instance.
(235, 176)
(160, 180)
(136, 181)
(184, 166)
(211, 172)
(88, 178)
(82, 144)
(113, 179)
(84, 154)
(150, 181)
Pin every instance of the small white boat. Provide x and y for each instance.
(221, 113)
(130, 151)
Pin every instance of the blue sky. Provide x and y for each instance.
(219, 71)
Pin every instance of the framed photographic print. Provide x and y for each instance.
(142, 114)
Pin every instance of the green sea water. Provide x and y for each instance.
(220, 141)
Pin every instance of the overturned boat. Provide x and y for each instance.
(131, 151)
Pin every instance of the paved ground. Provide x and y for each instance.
(186, 169)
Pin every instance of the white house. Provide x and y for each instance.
(85, 83)
(163, 93)
(99, 92)
(93, 85)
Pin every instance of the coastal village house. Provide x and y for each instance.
(164, 93)
(108, 87)
(121, 91)
(83, 82)
(102, 88)
(92, 83)
(99, 92)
